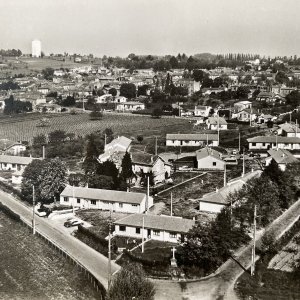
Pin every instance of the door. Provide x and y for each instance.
(148, 233)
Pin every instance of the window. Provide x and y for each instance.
(93, 202)
(66, 199)
(121, 205)
(214, 163)
(78, 200)
(138, 230)
(156, 232)
(134, 205)
(264, 144)
(173, 235)
(13, 165)
(122, 228)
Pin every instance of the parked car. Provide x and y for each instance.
(72, 222)
(185, 168)
(40, 213)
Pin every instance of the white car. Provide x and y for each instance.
(72, 222)
(40, 213)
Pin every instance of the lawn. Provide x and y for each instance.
(25, 127)
(31, 269)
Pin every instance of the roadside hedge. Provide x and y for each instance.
(9, 189)
(9, 212)
(93, 236)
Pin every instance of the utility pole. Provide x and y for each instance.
(296, 129)
(218, 129)
(104, 141)
(44, 153)
(243, 174)
(73, 198)
(171, 205)
(239, 142)
(109, 252)
(148, 193)
(225, 179)
(277, 141)
(155, 145)
(253, 249)
(143, 234)
(33, 210)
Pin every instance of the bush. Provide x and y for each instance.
(9, 212)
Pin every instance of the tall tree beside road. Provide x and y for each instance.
(284, 184)
(54, 180)
(208, 245)
(128, 90)
(131, 283)
(32, 176)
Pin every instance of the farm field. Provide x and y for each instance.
(31, 269)
(24, 128)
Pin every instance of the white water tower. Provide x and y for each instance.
(36, 47)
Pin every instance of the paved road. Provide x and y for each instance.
(217, 286)
(221, 284)
(95, 262)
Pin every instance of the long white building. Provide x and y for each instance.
(117, 201)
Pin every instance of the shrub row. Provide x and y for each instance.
(9, 212)
(145, 261)
(93, 236)
(9, 189)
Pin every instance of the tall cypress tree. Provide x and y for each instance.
(127, 172)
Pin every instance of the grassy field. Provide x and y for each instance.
(25, 127)
(30, 269)
(29, 65)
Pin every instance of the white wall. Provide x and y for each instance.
(210, 207)
(207, 163)
(190, 143)
(273, 146)
(105, 205)
(163, 236)
(11, 167)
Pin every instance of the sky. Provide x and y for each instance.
(158, 27)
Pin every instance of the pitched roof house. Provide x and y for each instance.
(161, 228)
(209, 159)
(282, 157)
(214, 202)
(118, 201)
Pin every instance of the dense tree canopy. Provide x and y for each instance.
(131, 283)
(13, 106)
(49, 178)
(128, 90)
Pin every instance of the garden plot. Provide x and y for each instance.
(183, 196)
(287, 257)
